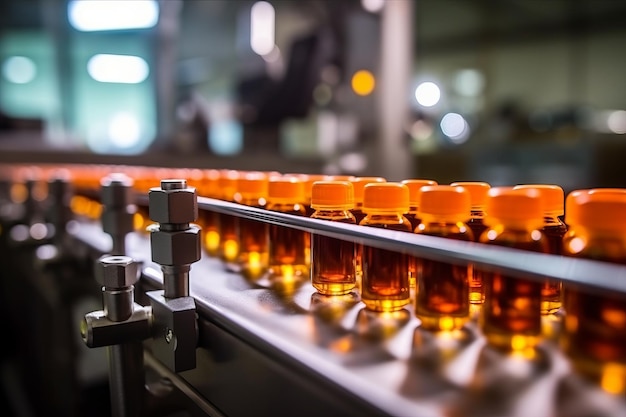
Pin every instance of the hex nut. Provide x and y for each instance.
(173, 206)
(117, 222)
(116, 190)
(176, 248)
(116, 271)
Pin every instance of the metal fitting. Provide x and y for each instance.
(116, 195)
(175, 245)
(97, 330)
(173, 203)
(116, 272)
(59, 196)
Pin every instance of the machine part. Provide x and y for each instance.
(175, 245)
(118, 209)
(58, 210)
(97, 330)
(175, 331)
(122, 326)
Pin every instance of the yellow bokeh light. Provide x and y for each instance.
(612, 378)
(363, 82)
(230, 250)
(212, 241)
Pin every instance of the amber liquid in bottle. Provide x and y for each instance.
(511, 315)
(253, 256)
(209, 221)
(413, 218)
(385, 285)
(551, 297)
(476, 291)
(358, 263)
(289, 251)
(229, 240)
(333, 263)
(442, 297)
(414, 263)
(595, 323)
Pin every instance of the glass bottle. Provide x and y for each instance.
(253, 234)
(359, 184)
(228, 224)
(511, 314)
(333, 260)
(594, 337)
(385, 281)
(478, 195)
(415, 185)
(207, 219)
(289, 248)
(552, 197)
(309, 180)
(442, 296)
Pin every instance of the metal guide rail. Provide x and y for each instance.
(303, 354)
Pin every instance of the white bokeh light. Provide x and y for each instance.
(427, 94)
(373, 6)
(19, 70)
(124, 69)
(455, 127)
(124, 130)
(469, 83)
(262, 28)
(96, 15)
(617, 122)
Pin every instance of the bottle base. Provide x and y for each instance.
(442, 323)
(510, 342)
(385, 305)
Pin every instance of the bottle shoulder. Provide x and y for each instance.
(342, 216)
(533, 240)
(604, 246)
(452, 230)
(387, 221)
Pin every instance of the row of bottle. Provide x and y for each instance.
(527, 217)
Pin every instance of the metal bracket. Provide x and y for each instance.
(175, 331)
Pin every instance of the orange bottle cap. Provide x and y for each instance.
(285, 190)
(598, 210)
(338, 195)
(308, 180)
(444, 202)
(385, 197)
(514, 207)
(339, 177)
(209, 186)
(552, 197)
(478, 192)
(414, 189)
(359, 184)
(252, 185)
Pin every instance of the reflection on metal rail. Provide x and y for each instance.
(595, 274)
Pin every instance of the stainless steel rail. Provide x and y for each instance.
(595, 274)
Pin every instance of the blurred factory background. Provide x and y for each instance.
(515, 91)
